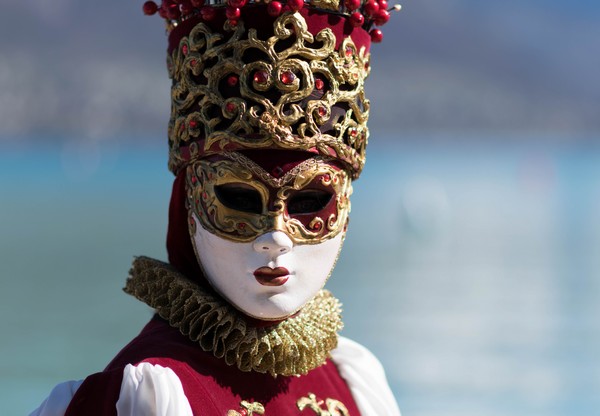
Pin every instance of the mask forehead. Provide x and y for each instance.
(275, 200)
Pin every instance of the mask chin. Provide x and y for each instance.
(269, 278)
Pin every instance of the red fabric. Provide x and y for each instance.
(179, 243)
(258, 18)
(212, 387)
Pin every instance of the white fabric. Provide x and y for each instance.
(57, 402)
(151, 390)
(366, 379)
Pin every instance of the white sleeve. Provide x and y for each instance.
(366, 379)
(57, 402)
(149, 389)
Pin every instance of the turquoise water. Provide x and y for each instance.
(471, 270)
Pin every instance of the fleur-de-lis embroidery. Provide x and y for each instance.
(248, 409)
(334, 407)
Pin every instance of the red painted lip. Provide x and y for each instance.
(267, 276)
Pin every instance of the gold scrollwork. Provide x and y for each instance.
(271, 100)
(248, 409)
(332, 407)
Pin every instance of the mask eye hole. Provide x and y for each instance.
(239, 197)
(308, 201)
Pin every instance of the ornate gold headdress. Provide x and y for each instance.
(270, 76)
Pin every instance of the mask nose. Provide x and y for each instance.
(273, 243)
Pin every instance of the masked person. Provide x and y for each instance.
(267, 132)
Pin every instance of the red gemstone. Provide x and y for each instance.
(194, 180)
(371, 8)
(295, 5)
(193, 124)
(357, 19)
(382, 17)
(319, 84)
(376, 35)
(193, 62)
(236, 3)
(327, 177)
(150, 8)
(241, 226)
(233, 13)
(204, 195)
(352, 4)
(230, 107)
(353, 132)
(317, 227)
(184, 49)
(208, 13)
(349, 51)
(232, 80)
(277, 171)
(322, 111)
(197, 3)
(261, 77)
(274, 8)
(288, 77)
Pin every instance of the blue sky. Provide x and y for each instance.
(92, 70)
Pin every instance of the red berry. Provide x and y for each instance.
(383, 4)
(352, 4)
(197, 3)
(174, 12)
(233, 13)
(371, 8)
(237, 3)
(274, 8)
(208, 13)
(150, 8)
(162, 12)
(295, 5)
(376, 35)
(381, 17)
(357, 19)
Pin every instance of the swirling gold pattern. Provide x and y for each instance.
(292, 90)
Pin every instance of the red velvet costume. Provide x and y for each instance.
(212, 387)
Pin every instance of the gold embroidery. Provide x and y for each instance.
(334, 407)
(292, 347)
(248, 409)
(293, 90)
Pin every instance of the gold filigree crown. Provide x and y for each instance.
(290, 80)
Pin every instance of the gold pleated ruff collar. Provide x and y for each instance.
(291, 347)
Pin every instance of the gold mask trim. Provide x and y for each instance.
(203, 176)
(291, 347)
(293, 90)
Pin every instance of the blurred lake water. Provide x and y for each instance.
(470, 269)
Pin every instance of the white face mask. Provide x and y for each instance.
(269, 278)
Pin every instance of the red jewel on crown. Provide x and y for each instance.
(360, 13)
